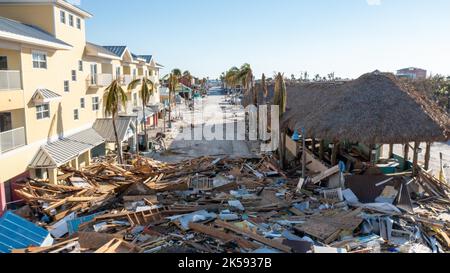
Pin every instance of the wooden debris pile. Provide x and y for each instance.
(219, 205)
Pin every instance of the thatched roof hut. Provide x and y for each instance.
(373, 109)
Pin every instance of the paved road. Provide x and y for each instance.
(209, 114)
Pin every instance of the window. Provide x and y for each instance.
(42, 111)
(62, 15)
(66, 86)
(94, 74)
(3, 63)
(80, 65)
(76, 115)
(95, 104)
(5, 121)
(39, 60)
(38, 173)
(71, 20)
(74, 75)
(118, 72)
(82, 103)
(134, 73)
(78, 23)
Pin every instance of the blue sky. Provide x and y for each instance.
(348, 37)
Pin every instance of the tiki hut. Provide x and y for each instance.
(373, 109)
(376, 108)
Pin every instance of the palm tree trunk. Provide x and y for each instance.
(145, 127)
(170, 109)
(119, 147)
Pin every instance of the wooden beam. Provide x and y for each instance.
(416, 158)
(254, 236)
(334, 153)
(313, 148)
(427, 156)
(405, 155)
(322, 149)
(391, 151)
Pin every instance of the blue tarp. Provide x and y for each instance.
(18, 233)
(74, 224)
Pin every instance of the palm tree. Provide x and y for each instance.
(188, 77)
(264, 88)
(147, 89)
(280, 96)
(177, 72)
(245, 76)
(115, 96)
(231, 77)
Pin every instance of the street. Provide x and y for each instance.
(209, 113)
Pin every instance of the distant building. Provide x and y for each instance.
(412, 73)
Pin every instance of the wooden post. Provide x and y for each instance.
(391, 151)
(53, 176)
(405, 156)
(303, 153)
(322, 149)
(280, 151)
(334, 153)
(427, 156)
(283, 160)
(416, 158)
(313, 149)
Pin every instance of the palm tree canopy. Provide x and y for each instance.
(115, 95)
(173, 82)
(280, 96)
(147, 88)
(177, 72)
(264, 85)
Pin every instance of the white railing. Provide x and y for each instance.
(12, 139)
(100, 80)
(10, 80)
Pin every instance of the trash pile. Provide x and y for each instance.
(225, 205)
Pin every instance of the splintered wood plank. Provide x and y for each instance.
(254, 236)
(225, 237)
(327, 228)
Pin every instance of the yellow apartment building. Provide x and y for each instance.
(52, 83)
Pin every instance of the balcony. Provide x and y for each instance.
(11, 140)
(100, 80)
(10, 80)
(126, 79)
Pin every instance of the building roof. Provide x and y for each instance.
(18, 233)
(116, 50)
(60, 152)
(137, 57)
(99, 51)
(104, 127)
(147, 58)
(376, 108)
(408, 69)
(19, 32)
(43, 95)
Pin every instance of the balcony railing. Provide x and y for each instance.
(10, 80)
(100, 80)
(12, 139)
(126, 79)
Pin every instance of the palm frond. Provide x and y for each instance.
(132, 85)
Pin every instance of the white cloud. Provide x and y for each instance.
(373, 2)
